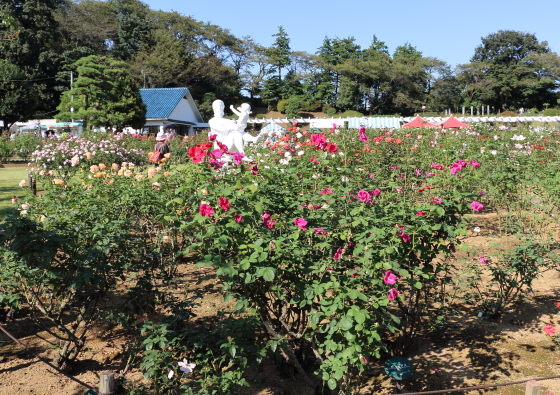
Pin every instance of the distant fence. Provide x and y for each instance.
(327, 122)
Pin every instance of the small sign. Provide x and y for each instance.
(399, 368)
(91, 392)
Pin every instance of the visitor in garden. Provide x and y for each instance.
(161, 143)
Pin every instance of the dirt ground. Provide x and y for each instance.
(470, 351)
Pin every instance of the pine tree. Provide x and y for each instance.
(103, 95)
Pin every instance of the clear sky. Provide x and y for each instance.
(448, 30)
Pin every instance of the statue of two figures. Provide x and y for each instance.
(229, 132)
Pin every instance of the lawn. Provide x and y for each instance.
(9, 180)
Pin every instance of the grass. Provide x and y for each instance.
(9, 187)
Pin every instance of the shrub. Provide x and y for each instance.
(25, 144)
(351, 113)
(508, 113)
(551, 112)
(5, 151)
(281, 106)
(331, 111)
(325, 107)
(308, 105)
(294, 107)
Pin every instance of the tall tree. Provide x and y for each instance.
(515, 81)
(335, 52)
(34, 48)
(18, 97)
(279, 53)
(134, 27)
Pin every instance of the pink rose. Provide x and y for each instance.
(476, 206)
(389, 278)
(300, 223)
(393, 293)
(363, 195)
(205, 210)
(224, 204)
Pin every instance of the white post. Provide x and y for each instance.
(463, 110)
(471, 111)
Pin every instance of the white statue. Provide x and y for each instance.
(231, 133)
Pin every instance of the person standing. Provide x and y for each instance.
(161, 144)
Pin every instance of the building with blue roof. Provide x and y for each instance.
(171, 105)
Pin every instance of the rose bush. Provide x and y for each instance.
(340, 245)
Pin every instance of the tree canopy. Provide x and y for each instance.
(103, 95)
(44, 39)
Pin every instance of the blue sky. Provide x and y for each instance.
(448, 30)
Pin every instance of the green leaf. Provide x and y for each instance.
(332, 384)
(268, 273)
(346, 323)
(360, 317)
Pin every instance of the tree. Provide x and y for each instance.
(335, 52)
(474, 81)
(135, 27)
(279, 53)
(88, 23)
(36, 45)
(11, 27)
(409, 79)
(103, 95)
(255, 71)
(515, 80)
(294, 106)
(18, 95)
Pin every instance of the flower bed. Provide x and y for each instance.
(337, 247)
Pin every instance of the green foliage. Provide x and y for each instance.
(279, 52)
(351, 113)
(18, 96)
(551, 112)
(507, 278)
(281, 106)
(520, 71)
(25, 144)
(331, 111)
(294, 106)
(6, 149)
(64, 262)
(103, 95)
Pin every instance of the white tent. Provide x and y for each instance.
(374, 122)
(273, 127)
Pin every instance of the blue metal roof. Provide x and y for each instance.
(160, 102)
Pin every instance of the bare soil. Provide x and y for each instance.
(470, 351)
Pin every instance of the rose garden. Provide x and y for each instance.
(328, 253)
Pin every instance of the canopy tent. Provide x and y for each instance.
(58, 125)
(418, 122)
(374, 122)
(273, 127)
(31, 127)
(453, 122)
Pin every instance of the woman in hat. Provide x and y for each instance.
(161, 143)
